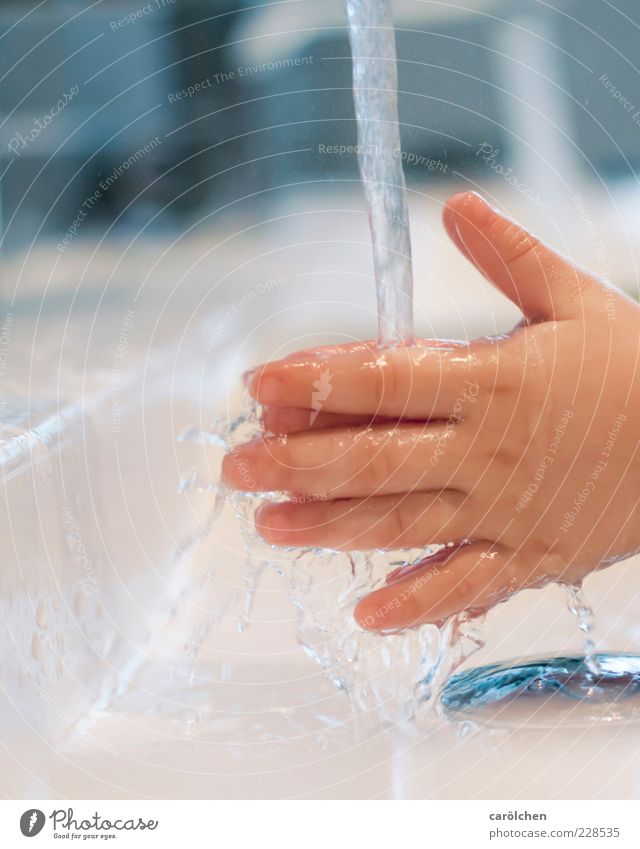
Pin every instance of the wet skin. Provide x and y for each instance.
(522, 450)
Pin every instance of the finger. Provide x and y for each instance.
(421, 382)
(474, 577)
(543, 284)
(310, 353)
(280, 421)
(389, 521)
(352, 464)
(283, 420)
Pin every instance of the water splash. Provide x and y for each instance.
(390, 678)
(381, 675)
(585, 618)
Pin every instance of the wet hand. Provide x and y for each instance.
(521, 450)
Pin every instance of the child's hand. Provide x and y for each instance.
(522, 450)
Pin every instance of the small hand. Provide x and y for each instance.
(521, 450)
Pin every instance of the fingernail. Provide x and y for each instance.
(273, 523)
(267, 389)
(254, 376)
(267, 418)
(478, 209)
(263, 386)
(248, 375)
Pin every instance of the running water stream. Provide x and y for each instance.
(375, 84)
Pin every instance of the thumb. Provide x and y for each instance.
(543, 284)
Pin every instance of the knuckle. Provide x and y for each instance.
(380, 467)
(400, 526)
(457, 516)
(516, 242)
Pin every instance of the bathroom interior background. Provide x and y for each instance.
(549, 91)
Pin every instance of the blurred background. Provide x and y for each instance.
(185, 154)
